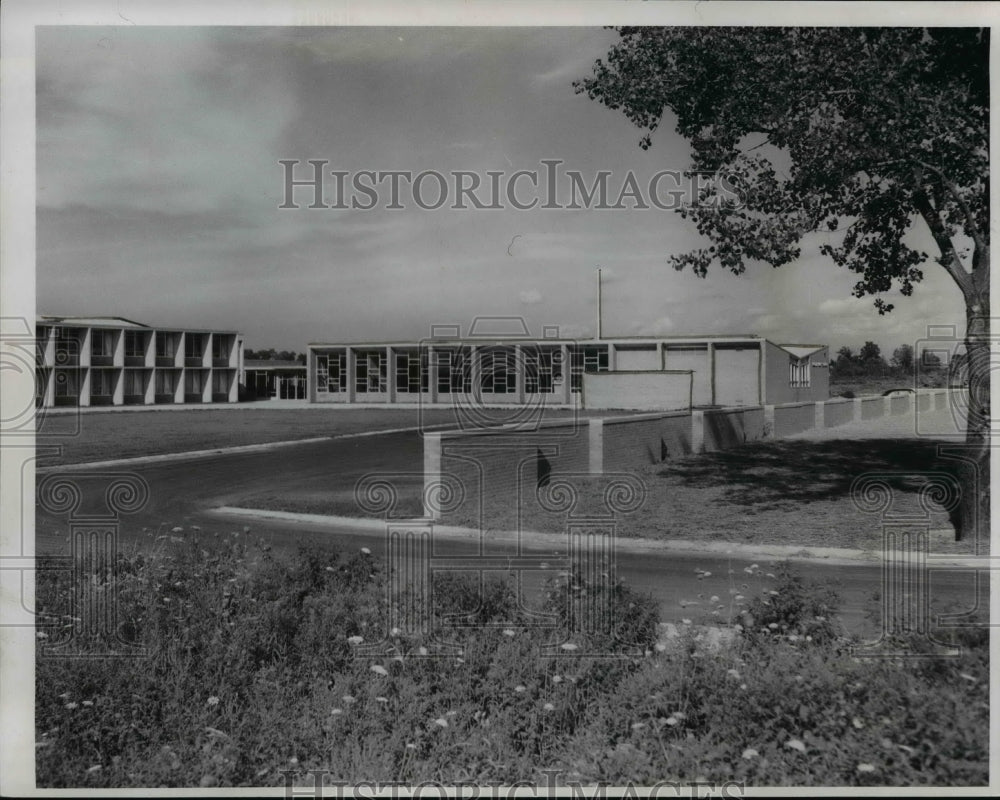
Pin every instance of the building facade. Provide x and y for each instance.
(105, 361)
(726, 370)
(273, 379)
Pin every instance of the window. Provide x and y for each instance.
(371, 372)
(102, 344)
(322, 373)
(220, 382)
(135, 346)
(165, 345)
(102, 383)
(194, 345)
(586, 359)
(166, 382)
(799, 370)
(134, 382)
(220, 346)
(412, 372)
(498, 374)
(194, 381)
(67, 383)
(454, 370)
(338, 372)
(542, 368)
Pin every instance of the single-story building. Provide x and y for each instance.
(725, 370)
(91, 361)
(274, 379)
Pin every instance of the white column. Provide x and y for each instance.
(390, 375)
(118, 393)
(179, 388)
(85, 344)
(85, 382)
(150, 397)
(119, 353)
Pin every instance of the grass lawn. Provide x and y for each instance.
(250, 669)
(786, 492)
(110, 435)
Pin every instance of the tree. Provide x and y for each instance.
(882, 129)
(902, 359)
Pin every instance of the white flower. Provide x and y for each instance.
(714, 598)
(795, 744)
(508, 632)
(381, 699)
(348, 699)
(750, 753)
(213, 700)
(568, 646)
(71, 706)
(866, 767)
(442, 722)
(334, 712)
(671, 721)
(520, 688)
(395, 632)
(557, 678)
(857, 723)
(355, 639)
(686, 621)
(549, 707)
(378, 669)
(732, 673)
(638, 726)
(366, 551)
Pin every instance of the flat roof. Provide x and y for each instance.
(120, 322)
(513, 340)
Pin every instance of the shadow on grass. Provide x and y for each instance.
(783, 474)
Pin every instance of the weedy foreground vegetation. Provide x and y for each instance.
(251, 669)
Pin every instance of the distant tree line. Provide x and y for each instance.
(274, 355)
(869, 362)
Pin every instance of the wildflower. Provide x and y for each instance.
(659, 647)
(64, 696)
(857, 723)
(366, 551)
(732, 673)
(520, 688)
(71, 706)
(41, 635)
(95, 768)
(442, 722)
(348, 699)
(421, 651)
(743, 686)
(568, 646)
(638, 726)
(355, 639)
(714, 598)
(508, 632)
(378, 669)
(738, 598)
(395, 632)
(671, 720)
(796, 744)
(381, 699)
(686, 621)
(450, 713)
(330, 569)
(213, 700)
(557, 678)
(335, 711)
(293, 760)
(88, 703)
(866, 767)
(549, 707)
(773, 626)
(750, 753)
(411, 746)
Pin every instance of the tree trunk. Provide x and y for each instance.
(974, 508)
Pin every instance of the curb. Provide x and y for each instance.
(823, 555)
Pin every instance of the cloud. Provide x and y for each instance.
(531, 297)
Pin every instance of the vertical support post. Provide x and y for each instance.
(390, 375)
(432, 472)
(519, 373)
(432, 374)
(595, 447)
(352, 374)
(567, 387)
(698, 430)
(711, 373)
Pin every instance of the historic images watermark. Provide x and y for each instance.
(547, 186)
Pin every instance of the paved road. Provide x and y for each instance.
(183, 493)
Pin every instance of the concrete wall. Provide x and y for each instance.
(777, 387)
(640, 391)
(793, 418)
(737, 376)
(694, 359)
(512, 464)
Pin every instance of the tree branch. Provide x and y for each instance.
(949, 258)
(970, 219)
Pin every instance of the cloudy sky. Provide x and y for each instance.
(159, 188)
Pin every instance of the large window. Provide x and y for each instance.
(102, 383)
(370, 372)
(135, 345)
(331, 372)
(166, 382)
(220, 382)
(220, 346)
(542, 368)
(194, 345)
(135, 382)
(67, 383)
(799, 371)
(194, 381)
(586, 358)
(102, 344)
(498, 373)
(454, 370)
(412, 372)
(165, 345)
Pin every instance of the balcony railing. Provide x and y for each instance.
(193, 361)
(135, 361)
(101, 361)
(164, 361)
(220, 362)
